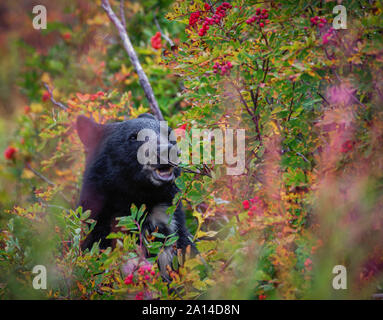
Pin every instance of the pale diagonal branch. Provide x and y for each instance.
(144, 82)
(171, 43)
(56, 103)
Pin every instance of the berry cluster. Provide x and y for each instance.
(94, 97)
(156, 41)
(223, 67)
(308, 264)
(347, 146)
(317, 21)
(9, 153)
(219, 14)
(254, 205)
(260, 16)
(194, 17)
(140, 295)
(145, 273)
(326, 37)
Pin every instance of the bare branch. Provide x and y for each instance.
(145, 84)
(171, 43)
(38, 174)
(56, 103)
(205, 170)
(323, 98)
(44, 178)
(122, 13)
(243, 100)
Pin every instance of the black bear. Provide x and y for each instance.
(114, 179)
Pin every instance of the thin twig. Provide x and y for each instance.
(42, 177)
(145, 84)
(254, 98)
(204, 172)
(122, 13)
(323, 98)
(302, 156)
(243, 100)
(56, 103)
(291, 103)
(171, 43)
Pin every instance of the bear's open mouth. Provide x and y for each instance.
(164, 173)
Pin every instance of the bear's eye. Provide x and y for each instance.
(133, 137)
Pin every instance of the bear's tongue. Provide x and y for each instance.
(165, 172)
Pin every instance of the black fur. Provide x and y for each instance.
(114, 179)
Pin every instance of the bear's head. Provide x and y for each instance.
(129, 154)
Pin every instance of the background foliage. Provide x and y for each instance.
(308, 96)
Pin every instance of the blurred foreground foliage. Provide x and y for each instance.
(310, 195)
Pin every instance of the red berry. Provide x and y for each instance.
(255, 199)
(246, 204)
(46, 96)
(261, 25)
(325, 39)
(156, 41)
(308, 262)
(67, 36)
(9, 153)
(207, 6)
(140, 296)
(347, 146)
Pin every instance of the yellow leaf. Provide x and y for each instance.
(27, 174)
(106, 289)
(124, 70)
(198, 216)
(45, 78)
(81, 287)
(36, 107)
(208, 234)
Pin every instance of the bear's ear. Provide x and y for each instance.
(147, 115)
(89, 131)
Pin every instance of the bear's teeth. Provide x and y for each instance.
(163, 173)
